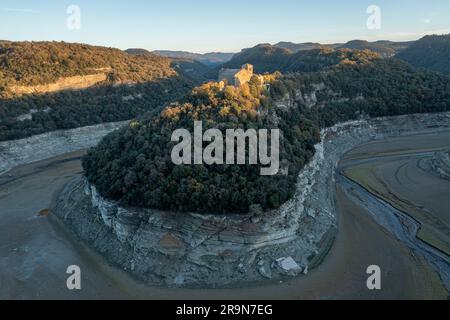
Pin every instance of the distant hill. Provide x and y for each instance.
(186, 66)
(264, 57)
(139, 52)
(383, 48)
(268, 58)
(46, 86)
(211, 59)
(192, 69)
(398, 46)
(38, 63)
(430, 52)
(295, 47)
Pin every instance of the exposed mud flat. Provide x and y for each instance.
(220, 251)
(406, 187)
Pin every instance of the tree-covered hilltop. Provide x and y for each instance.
(268, 58)
(430, 52)
(385, 49)
(296, 47)
(134, 165)
(263, 57)
(37, 63)
(210, 59)
(133, 85)
(187, 66)
(35, 114)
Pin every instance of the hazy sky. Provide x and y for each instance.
(201, 25)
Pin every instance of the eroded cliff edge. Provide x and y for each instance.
(178, 249)
(39, 147)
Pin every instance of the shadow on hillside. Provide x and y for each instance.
(35, 114)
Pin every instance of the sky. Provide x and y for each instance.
(227, 26)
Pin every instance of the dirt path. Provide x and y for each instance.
(34, 254)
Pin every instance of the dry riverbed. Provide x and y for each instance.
(35, 253)
(409, 175)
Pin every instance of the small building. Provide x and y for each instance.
(237, 77)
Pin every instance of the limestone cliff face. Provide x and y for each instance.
(178, 249)
(310, 98)
(18, 152)
(69, 83)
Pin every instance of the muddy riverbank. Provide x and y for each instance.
(35, 253)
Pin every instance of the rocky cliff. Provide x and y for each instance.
(52, 144)
(68, 83)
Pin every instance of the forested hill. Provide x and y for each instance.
(45, 86)
(296, 47)
(430, 52)
(38, 63)
(187, 65)
(268, 58)
(134, 165)
(385, 49)
(211, 59)
(264, 58)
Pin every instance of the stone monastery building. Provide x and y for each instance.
(237, 77)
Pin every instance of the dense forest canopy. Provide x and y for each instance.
(296, 47)
(211, 59)
(188, 65)
(263, 57)
(134, 167)
(134, 85)
(267, 58)
(33, 63)
(430, 52)
(383, 47)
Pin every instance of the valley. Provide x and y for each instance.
(124, 171)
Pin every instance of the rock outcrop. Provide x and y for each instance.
(68, 83)
(52, 144)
